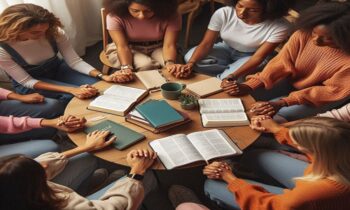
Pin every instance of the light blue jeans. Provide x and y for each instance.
(222, 60)
(277, 171)
(30, 149)
(294, 112)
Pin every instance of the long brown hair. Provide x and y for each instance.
(328, 140)
(23, 185)
(21, 17)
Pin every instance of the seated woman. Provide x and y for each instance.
(324, 185)
(144, 33)
(313, 67)
(250, 31)
(34, 190)
(30, 39)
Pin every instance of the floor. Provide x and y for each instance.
(193, 177)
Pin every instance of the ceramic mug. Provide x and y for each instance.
(172, 90)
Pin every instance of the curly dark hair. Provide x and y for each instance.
(335, 15)
(272, 9)
(23, 185)
(163, 9)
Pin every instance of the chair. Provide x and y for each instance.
(105, 40)
(190, 7)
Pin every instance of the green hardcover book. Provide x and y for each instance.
(125, 136)
(159, 113)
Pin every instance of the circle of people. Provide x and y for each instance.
(303, 165)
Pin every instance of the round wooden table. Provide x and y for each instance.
(243, 135)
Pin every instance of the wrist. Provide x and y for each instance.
(282, 103)
(228, 177)
(126, 66)
(169, 62)
(136, 170)
(100, 76)
(48, 122)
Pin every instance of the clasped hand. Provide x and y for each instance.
(217, 170)
(180, 70)
(233, 88)
(120, 76)
(84, 92)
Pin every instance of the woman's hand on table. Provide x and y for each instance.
(267, 107)
(121, 76)
(84, 91)
(180, 70)
(233, 88)
(140, 160)
(68, 123)
(98, 139)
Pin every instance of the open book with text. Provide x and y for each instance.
(117, 99)
(151, 79)
(222, 112)
(180, 149)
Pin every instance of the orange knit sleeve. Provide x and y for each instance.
(280, 66)
(333, 89)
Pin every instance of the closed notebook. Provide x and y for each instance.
(205, 87)
(125, 136)
(159, 113)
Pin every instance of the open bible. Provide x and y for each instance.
(180, 149)
(117, 99)
(222, 112)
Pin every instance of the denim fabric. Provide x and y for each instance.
(78, 169)
(222, 60)
(31, 149)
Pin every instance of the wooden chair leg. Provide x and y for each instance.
(105, 69)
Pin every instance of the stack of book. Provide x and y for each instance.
(156, 116)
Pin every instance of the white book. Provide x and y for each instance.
(180, 149)
(117, 99)
(151, 79)
(222, 112)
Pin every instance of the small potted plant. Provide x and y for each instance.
(188, 101)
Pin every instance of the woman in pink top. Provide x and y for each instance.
(144, 33)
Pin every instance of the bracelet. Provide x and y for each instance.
(100, 75)
(169, 61)
(126, 66)
(135, 176)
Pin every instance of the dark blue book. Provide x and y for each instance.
(159, 113)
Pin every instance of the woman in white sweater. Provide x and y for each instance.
(24, 185)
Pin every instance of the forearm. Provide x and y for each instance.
(75, 151)
(169, 53)
(51, 87)
(248, 67)
(124, 55)
(201, 51)
(14, 96)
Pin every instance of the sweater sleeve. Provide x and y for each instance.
(15, 71)
(251, 197)
(279, 67)
(125, 194)
(4, 93)
(342, 113)
(70, 56)
(53, 162)
(333, 89)
(13, 124)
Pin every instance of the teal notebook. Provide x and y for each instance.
(159, 113)
(125, 136)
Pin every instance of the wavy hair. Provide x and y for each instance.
(163, 9)
(335, 15)
(328, 140)
(23, 186)
(21, 17)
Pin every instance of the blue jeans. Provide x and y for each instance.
(277, 171)
(78, 169)
(31, 149)
(222, 60)
(293, 112)
(59, 73)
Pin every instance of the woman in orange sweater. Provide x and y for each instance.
(312, 69)
(324, 185)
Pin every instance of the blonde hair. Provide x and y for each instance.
(328, 140)
(21, 17)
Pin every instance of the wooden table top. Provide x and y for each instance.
(243, 135)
